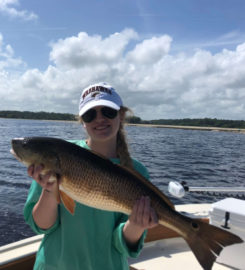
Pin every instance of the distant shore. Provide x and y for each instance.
(205, 124)
(217, 129)
(238, 130)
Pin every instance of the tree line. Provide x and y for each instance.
(200, 122)
(37, 115)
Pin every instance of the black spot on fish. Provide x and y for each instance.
(194, 225)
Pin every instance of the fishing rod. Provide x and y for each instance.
(179, 189)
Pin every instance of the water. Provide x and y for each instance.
(201, 158)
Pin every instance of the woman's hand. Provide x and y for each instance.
(46, 180)
(143, 217)
(45, 210)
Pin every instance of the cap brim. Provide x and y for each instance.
(96, 103)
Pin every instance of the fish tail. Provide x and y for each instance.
(207, 241)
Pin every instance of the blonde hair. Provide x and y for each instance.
(122, 145)
(122, 149)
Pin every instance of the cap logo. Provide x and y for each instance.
(96, 89)
(95, 94)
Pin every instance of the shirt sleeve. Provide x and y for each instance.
(118, 238)
(33, 197)
(121, 245)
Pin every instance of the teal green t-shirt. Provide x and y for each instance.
(91, 239)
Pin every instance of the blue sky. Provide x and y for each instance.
(188, 22)
(168, 59)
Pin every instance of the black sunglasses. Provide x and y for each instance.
(90, 115)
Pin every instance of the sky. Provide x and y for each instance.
(168, 59)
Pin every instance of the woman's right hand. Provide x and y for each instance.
(45, 210)
(43, 179)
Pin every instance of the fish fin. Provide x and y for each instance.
(68, 202)
(207, 241)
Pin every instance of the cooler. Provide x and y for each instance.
(229, 214)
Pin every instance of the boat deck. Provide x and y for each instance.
(171, 254)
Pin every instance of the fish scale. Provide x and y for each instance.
(97, 182)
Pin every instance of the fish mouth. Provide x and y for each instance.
(14, 154)
(18, 158)
(14, 145)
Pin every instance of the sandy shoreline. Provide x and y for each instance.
(239, 130)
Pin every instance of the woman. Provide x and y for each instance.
(92, 239)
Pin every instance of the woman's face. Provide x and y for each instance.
(103, 129)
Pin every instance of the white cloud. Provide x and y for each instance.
(83, 50)
(6, 7)
(150, 50)
(151, 80)
(7, 58)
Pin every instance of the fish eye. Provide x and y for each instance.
(194, 225)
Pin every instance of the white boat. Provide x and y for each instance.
(163, 249)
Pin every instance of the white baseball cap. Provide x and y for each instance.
(100, 94)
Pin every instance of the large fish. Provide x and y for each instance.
(91, 179)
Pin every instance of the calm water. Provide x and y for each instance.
(201, 158)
